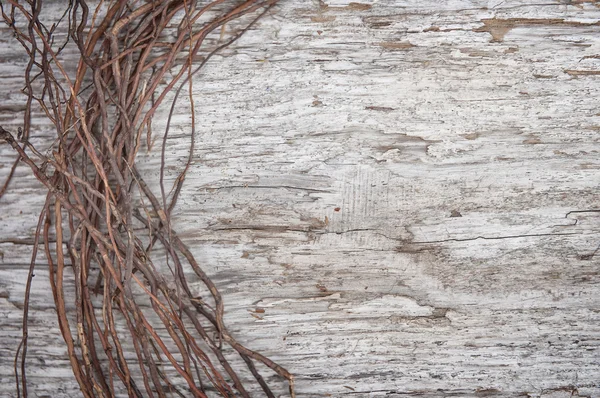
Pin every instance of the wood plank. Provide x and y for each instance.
(408, 191)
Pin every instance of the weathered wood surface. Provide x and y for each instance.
(408, 190)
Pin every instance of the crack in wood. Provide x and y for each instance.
(491, 238)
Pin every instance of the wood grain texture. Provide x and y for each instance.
(395, 199)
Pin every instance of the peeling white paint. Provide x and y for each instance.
(403, 193)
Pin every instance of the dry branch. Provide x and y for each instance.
(132, 325)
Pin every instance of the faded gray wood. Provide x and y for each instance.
(409, 190)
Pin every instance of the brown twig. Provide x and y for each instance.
(143, 333)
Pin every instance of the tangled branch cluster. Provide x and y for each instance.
(130, 327)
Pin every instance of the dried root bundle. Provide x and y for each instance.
(132, 326)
